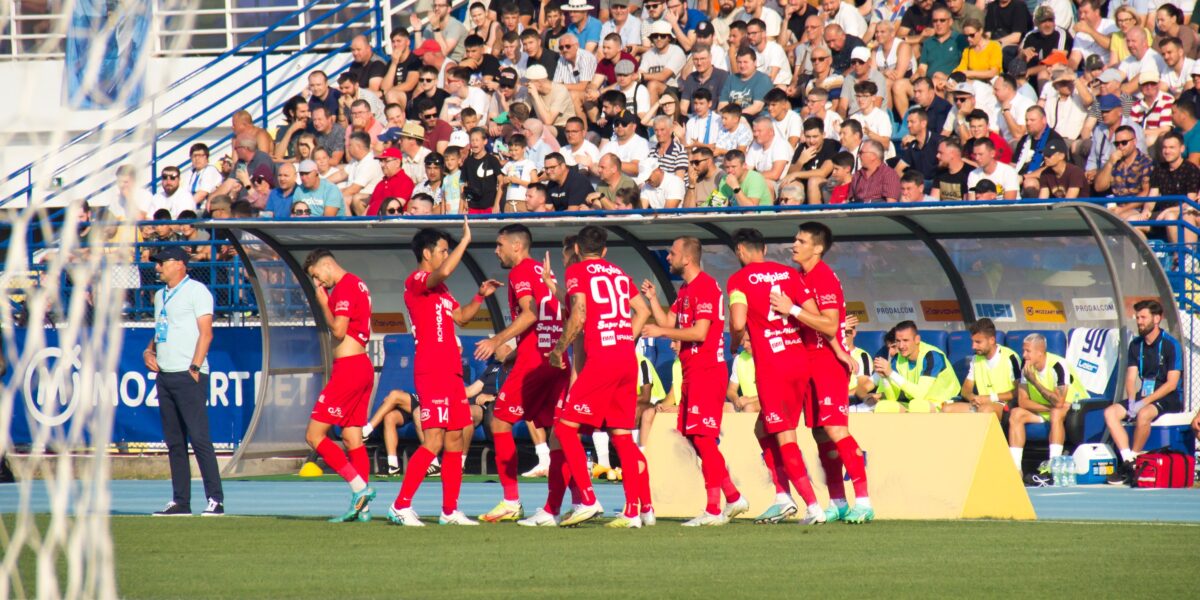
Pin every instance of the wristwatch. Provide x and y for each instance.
(194, 368)
(736, 190)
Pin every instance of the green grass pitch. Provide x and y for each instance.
(265, 557)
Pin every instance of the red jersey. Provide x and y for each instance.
(773, 337)
(608, 330)
(525, 279)
(701, 299)
(351, 298)
(827, 291)
(432, 314)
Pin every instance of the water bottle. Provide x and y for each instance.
(590, 462)
(1058, 472)
(1071, 475)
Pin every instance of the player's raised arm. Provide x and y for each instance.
(823, 321)
(661, 317)
(443, 271)
(571, 330)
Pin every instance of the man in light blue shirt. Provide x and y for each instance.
(582, 25)
(1105, 133)
(322, 197)
(177, 352)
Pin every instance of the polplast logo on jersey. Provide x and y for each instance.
(597, 268)
(894, 311)
(769, 278)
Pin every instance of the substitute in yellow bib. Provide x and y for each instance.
(742, 391)
(995, 370)
(918, 378)
(861, 384)
(1048, 388)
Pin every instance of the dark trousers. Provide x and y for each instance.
(183, 405)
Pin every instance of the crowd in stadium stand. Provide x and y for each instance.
(678, 103)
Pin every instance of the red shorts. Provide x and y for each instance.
(605, 394)
(479, 211)
(346, 398)
(828, 400)
(781, 393)
(531, 392)
(443, 401)
(703, 401)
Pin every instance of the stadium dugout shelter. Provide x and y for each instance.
(1071, 271)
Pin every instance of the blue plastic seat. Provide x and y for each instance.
(1056, 341)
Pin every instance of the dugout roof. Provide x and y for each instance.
(1027, 265)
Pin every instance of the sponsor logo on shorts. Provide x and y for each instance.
(710, 422)
(516, 411)
(321, 399)
(996, 310)
(334, 411)
(1094, 309)
(583, 409)
(424, 414)
(1044, 311)
(842, 409)
(827, 401)
(695, 410)
(773, 418)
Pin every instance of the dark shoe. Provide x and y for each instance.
(214, 509)
(434, 471)
(1122, 474)
(174, 510)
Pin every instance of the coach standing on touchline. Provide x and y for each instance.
(183, 313)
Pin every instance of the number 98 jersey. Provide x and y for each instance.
(608, 330)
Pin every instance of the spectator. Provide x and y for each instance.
(1005, 178)
(537, 54)
(912, 188)
(403, 70)
(329, 172)
(462, 96)
(703, 126)
(367, 68)
(742, 185)
(919, 148)
(1059, 178)
(1013, 107)
(966, 101)
(981, 59)
(578, 151)
(769, 155)
(566, 188)
(552, 25)
(770, 60)
(536, 199)
(661, 66)
(483, 67)
(637, 96)
(585, 29)
(628, 146)
(1105, 133)
(452, 181)
(481, 176)
(259, 188)
(706, 75)
(1046, 45)
(297, 117)
(1093, 34)
(950, 181)
(536, 135)
(852, 139)
(434, 184)
(811, 38)
(846, 17)
(243, 127)
(960, 11)
(330, 135)
(351, 92)
(817, 106)
(1007, 21)
(1126, 173)
(1191, 95)
(935, 106)
(612, 182)
(321, 196)
(361, 120)
(669, 153)
(395, 182)
(1142, 58)
(1175, 176)
(321, 94)
(437, 131)
(918, 378)
(748, 87)
(653, 12)
(412, 147)
(394, 207)
(893, 60)
(249, 159)
(420, 205)
(942, 51)
(512, 56)
(1179, 67)
(874, 181)
(662, 189)
(812, 162)
(861, 71)
(441, 28)
(611, 53)
(517, 174)
(1184, 117)
(876, 123)
(837, 188)
(1030, 149)
(551, 101)
(789, 126)
(701, 188)
(576, 70)
(917, 21)
(281, 201)
(1152, 108)
(627, 27)
(1151, 386)
(201, 249)
(1168, 20)
(363, 174)
(203, 178)
(824, 78)
(1049, 386)
(161, 232)
(428, 87)
(977, 131)
(170, 196)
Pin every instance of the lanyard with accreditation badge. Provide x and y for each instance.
(160, 324)
(1149, 383)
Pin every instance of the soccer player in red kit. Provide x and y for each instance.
(533, 387)
(781, 366)
(826, 411)
(437, 372)
(345, 303)
(697, 321)
(606, 307)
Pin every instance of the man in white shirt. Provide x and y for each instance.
(630, 147)
(462, 96)
(756, 9)
(1088, 31)
(579, 152)
(702, 127)
(364, 173)
(1007, 181)
(170, 196)
(788, 124)
(1066, 102)
(771, 59)
(624, 24)
(662, 190)
(202, 178)
(769, 154)
(876, 123)
(1012, 108)
(1178, 75)
(1141, 58)
(664, 62)
(846, 15)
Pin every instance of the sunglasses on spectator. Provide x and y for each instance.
(302, 212)
(393, 211)
(258, 180)
(958, 99)
(659, 36)
(698, 161)
(427, 80)
(170, 177)
(1122, 143)
(431, 115)
(857, 62)
(817, 58)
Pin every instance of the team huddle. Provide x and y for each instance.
(576, 371)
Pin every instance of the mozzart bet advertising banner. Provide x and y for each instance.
(235, 363)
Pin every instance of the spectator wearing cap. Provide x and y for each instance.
(323, 197)
(1126, 173)
(919, 148)
(634, 96)
(986, 189)
(942, 51)
(969, 97)
(1178, 74)
(1046, 45)
(874, 181)
(395, 183)
(1104, 135)
(434, 184)
(329, 134)
(363, 174)
(742, 185)
(566, 188)
(661, 190)
(1007, 21)
(662, 64)
(1066, 106)
(630, 147)
(249, 159)
(1005, 178)
(170, 194)
(481, 176)
(432, 56)
(279, 203)
(1152, 107)
(367, 67)
(706, 36)
(748, 87)
(259, 189)
(219, 207)
(446, 31)
(812, 162)
(621, 22)
(412, 140)
(363, 120)
(1175, 176)
(1013, 107)
(1030, 149)
(771, 59)
(1184, 117)
(1059, 178)
(352, 93)
(320, 93)
(705, 75)
(1142, 58)
(537, 54)
(1112, 82)
(551, 101)
(861, 71)
(982, 58)
(403, 70)
(586, 30)
(950, 179)
(1092, 33)
(1169, 22)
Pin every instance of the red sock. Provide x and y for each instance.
(731, 492)
(451, 480)
(568, 438)
(413, 476)
(576, 492)
(333, 456)
(856, 467)
(771, 458)
(793, 467)
(712, 466)
(506, 464)
(832, 465)
(361, 462)
(556, 481)
(632, 469)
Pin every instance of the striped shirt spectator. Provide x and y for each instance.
(1153, 115)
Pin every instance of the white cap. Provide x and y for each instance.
(861, 53)
(459, 139)
(536, 72)
(661, 28)
(965, 88)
